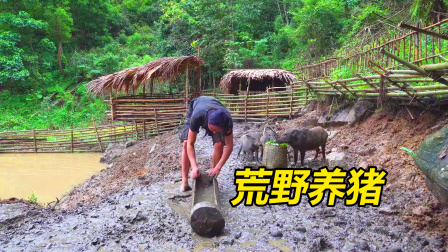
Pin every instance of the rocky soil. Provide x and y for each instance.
(126, 207)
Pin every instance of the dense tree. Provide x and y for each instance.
(60, 26)
(50, 48)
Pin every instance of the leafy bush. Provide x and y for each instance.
(32, 198)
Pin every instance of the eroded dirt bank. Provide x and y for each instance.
(125, 206)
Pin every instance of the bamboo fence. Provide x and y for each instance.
(146, 116)
(91, 139)
(419, 46)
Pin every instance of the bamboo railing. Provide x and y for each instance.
(91, 139)
(413, 46)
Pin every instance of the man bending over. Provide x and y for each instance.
(210, 114)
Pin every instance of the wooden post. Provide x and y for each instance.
(199, 73)
(267, 105)
(239, 92)
(112, 105)
(157, 123)
(97, 135)
(151, 87)
(410, 47)
(245, 101)
(290, 102)
(144, 129)
(214, 86)
(438, 39)
(417, 45)
(186, 88)
(35, 142)
(125, 133)
(71, 140)
(136, 130)
(404, 46)
(306, 96)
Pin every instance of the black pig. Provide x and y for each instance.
(305, 139)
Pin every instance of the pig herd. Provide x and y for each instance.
(299, 139)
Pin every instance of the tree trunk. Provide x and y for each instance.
(286, 13)
(60, 56)
(60, 51)
(280, 12)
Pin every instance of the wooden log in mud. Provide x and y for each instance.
(206, 218)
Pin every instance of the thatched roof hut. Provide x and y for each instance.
(255, 79)
(160, 70)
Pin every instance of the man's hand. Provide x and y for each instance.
(194, 174)
(215, 171)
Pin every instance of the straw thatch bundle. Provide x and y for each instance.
(250, 75)
(160, 70)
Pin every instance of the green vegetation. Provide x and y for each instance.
(276, 144)
(32, 198)
(50, 49)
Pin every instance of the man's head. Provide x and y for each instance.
(218, 120)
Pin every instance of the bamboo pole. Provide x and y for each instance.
(435, 67)
(426, 48)
(144, 129)
(186, 88)
(71, 140)
(306, 97)
(157, 123)
(438, 39)
(433, 50)
(414, 67)
(346, 88)
(290, 104)
(419, 30)
(112, 106)
(97, 135)
(245, 101)
(136, 130)
(34, 140)
(334, 86)
(410, 48)
(199, 74)
(267, 105)
(368, 82)
(151, 87)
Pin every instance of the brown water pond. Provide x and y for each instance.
(48, 175)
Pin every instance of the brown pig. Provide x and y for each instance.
(305, 139)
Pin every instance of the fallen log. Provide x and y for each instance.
(206, 218)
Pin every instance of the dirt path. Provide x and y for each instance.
(138, 218)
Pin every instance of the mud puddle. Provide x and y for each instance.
(48, 175)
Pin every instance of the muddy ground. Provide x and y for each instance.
(126, 207)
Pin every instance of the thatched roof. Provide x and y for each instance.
(234, 76)
(161, 70)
